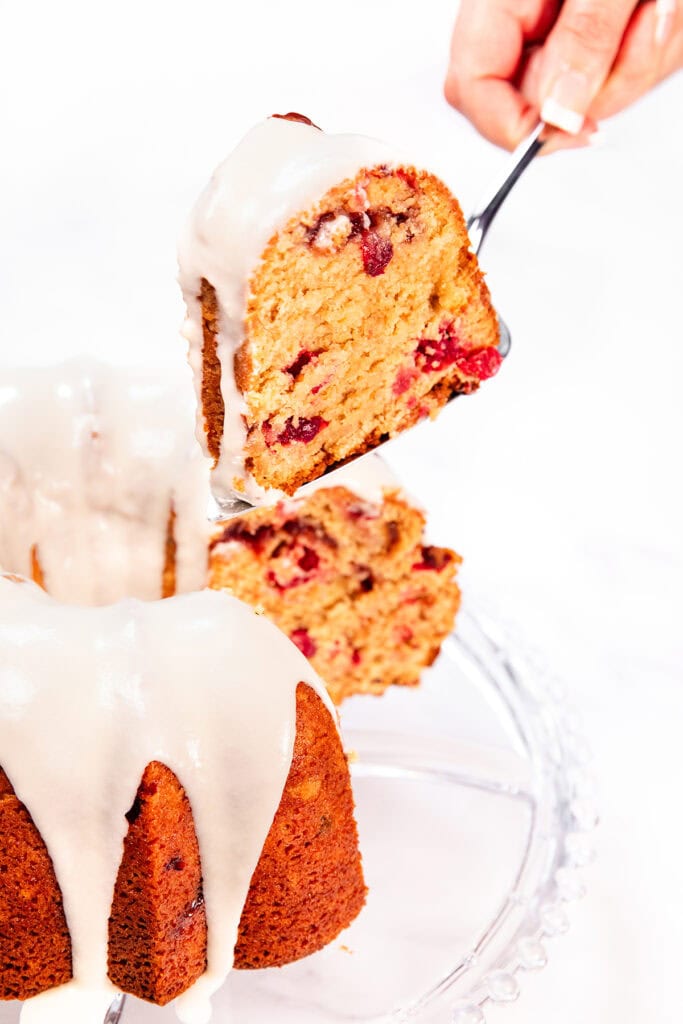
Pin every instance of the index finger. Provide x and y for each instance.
(487, 50)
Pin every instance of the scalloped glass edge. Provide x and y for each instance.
(565, 814)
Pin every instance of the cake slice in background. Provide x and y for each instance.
(332, 301)
(345, 571)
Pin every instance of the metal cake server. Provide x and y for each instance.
(478, 224)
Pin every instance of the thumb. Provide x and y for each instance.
(578, 56)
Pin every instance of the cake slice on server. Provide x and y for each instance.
(332, 300)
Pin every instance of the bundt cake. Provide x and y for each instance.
(332, 301)
(126, 723)
(345, 572)
(182, 756)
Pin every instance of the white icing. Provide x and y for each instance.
(90, 696)
(278, 169)
(92, 459)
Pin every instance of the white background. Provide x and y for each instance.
(560, 482)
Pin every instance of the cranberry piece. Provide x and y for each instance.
(304, 430)
(303, 556)
(309, 561)
(407, 176)
(481, 363)
(404, 378)
(404, 634)
(435, 354)
(254, 539)
(359, 222)
(294, 527)
(175, 864)
(377, 253)
(304, 641)
(299, 118)
(273, 581)
(433, 559)
(356, 657)
(303, 359)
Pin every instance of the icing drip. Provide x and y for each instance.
(93, 459)
(229, 741)
(279, 168)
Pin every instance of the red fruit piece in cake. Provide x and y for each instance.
(481, 363)
(433, 355)
(404, 379)
(304, 641)
(301, 429)
(377, 252)
(434, 559)
(302, 360)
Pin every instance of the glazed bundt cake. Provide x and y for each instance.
(125, 724)
(332, 301)
(182, 756)
(344, 570)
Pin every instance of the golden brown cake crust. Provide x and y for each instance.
(352, 583)
(213, 405)
(365, 315)
(307, 886)
(157, 929)
(35, 949)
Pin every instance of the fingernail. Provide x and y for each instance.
(567, 102)
(665, 15)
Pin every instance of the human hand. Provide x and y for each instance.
(570, 63)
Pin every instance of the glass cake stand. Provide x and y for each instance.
(475, 808)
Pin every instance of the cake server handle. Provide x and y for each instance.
(115, 1011)
(479, 223)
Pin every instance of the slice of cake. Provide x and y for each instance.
(332, 301)
(345, 571)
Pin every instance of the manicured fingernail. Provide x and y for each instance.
(567, 102)
(665, 16)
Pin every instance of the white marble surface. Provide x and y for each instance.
(561, 482)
